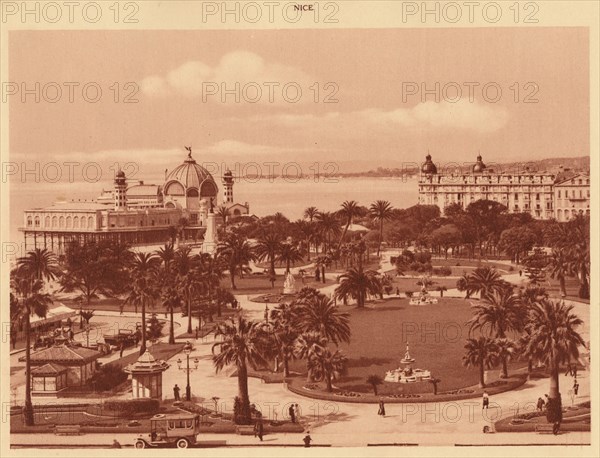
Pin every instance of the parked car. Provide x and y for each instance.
(171, 430)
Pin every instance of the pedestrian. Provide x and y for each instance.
(540, 404)
(520, 273)
(259, 428)
(397, 291)
(307, 439)
(297, 412)
(176, 392)
(115, 444)
(292, 413)
(486, 401)
(381, 410)
(575, 387)
(569, 370)
(122, 349)
(575, 370)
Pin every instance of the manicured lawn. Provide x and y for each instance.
(410, 284)
(436, 335)
(260, 284)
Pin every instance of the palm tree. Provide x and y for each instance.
(305, 231)
(32, 270)
(380, 211)
(441, 289)
(222, 212)
(506, 350)
(374, 380)
(559, 269)
(328, 366)
(290, 254)
(32, 301)
(243, 342)
(282, 320)
(308, 346)
(171, 300)
(501, 312)
(310, 213)
(320, 314)
(462, 284)
(485, 280)
(350, 209)
(328, 226)
(142, 290)
(236, 253)
(481, 353)
(434, 382)
(268, 247)
(554, 339)
(356, 283)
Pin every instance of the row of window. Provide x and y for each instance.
(62, 222)
(574, 194)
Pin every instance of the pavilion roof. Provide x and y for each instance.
(65, 354)
(49, 369)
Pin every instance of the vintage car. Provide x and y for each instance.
(171, 430)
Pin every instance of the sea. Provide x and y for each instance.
(265, 195)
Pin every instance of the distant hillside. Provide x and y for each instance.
(549, 165)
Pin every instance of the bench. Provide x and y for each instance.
(245, 430)
(544, 428)
(67, 430)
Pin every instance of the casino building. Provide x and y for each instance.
(542, 194)
(138, 214)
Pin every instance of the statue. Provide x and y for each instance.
(288, 284)
(407, 358)
(189, 150)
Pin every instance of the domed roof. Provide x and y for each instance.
(479, 166)
(428, 166)
(190, 175)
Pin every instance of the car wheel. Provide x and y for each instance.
(140, 443)
(182, 443)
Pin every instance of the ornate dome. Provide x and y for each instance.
(191, 180)
(479, 166)
(428, 166)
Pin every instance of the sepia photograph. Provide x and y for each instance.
(303, 228)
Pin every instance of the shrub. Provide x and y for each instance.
(388, 289)
(108, 377)
(127, 407)
(409, 294)
(443, 271)
(423, 257)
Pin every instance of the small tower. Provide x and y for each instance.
(228, 185)
(120, 191)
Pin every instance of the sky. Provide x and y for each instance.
(368, 76)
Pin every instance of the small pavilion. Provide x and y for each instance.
(146, 376)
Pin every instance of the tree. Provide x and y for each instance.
(87, 316)
(154, 328)
(535, 266)
(441, 289)
(328, 227)
(243, 343)
(236, 253)
(374, 380)
(554, 339)
(222, 212)
(380, 211)
(308, 346)
(446, 236)
(328, 366)
(143, 291)
(310, 213)
(319, 314)
(356, 283)
(268, 246)
(485, 280)
(27, 282)
(350, 209)
(500, 312)
(516, 240)
(559, 268)
(480, 353)
(434, 382)
(284, 333)
(289, 254)
(486, 217)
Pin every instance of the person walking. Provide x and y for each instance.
(176, 392)
(575, 387)
(307, 439)
(297, 413)
(259, 428)
(486, 401)
(122, 349)
(292, 413)
(381, 410)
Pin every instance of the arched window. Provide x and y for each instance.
(47, 221)
(61, 222)
(69, 222)
(37, 221)
(54, 221)
(76, 222)
(29, 221)
(90, 224)
(192, 192)
(559, 215)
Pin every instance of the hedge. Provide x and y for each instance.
(127, 407)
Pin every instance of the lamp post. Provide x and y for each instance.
(187, 349)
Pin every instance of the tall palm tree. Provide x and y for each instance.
(481, 353)
(189, 279)
(236, 253)
(559, 268)
(328, 226)
(308, 346)
(320, 314)
(243, 342)
(143, 290)
(350, 209)
(499, 313)
(356, 283)
(268, 246)
(284, 333)
(39, 264)
(328, 366)
(289, 253)
(32, 300)
(310, 213)
(306, 231)
(171, 300)
(554, 339)
(381, 211)
(222, 212)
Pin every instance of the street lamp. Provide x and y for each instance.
(187, 349)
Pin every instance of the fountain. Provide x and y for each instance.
(407, 358)
(407, 374)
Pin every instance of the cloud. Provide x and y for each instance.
(243, 67)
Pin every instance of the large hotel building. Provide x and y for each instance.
(544, 195)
